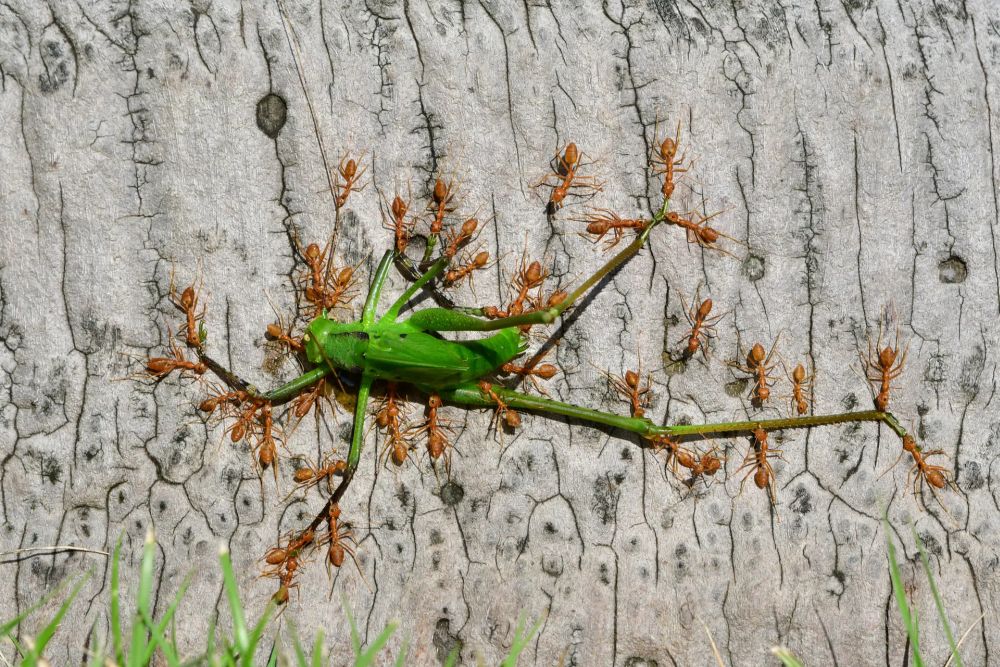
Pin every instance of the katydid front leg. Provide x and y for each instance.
(441, 319)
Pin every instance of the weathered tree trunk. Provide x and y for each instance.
(850, 145)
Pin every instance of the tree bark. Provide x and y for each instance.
(849, 145)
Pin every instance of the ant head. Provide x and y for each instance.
(756, 355)
(887, 357)
(909, 444)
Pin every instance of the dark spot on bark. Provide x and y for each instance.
(445, 642)
(51, 470)
(399, 548)
(736, 388)
(626, 454)
(849, 402)
(452, 493)
(552, 567)
(436, 537)
(753, 268)
(162, 506)
(550, 528)
(972, 476)
(635, 661)
(953, 270)
(271, 114)
(802, 502)
(931, 543)
(840, 576)
(605, 579)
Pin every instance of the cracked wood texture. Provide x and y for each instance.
(850, 145)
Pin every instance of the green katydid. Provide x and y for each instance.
(410, 351)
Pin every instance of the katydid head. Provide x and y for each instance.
(338, 345)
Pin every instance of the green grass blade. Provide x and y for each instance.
(240, 634)
(144, 600)
(909, 618)
(401, 658)
(786, 657)
(116, 602)
(159, 629)
(938, 602)
(520, 642)
(317, 656)
(256, 634)
(168, 649)
(452, 658)
(272, 661)
(7, 626)
(46, 634)
(368, 657)
(300, 655)
(355, 637)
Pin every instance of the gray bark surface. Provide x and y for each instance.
(851, 146)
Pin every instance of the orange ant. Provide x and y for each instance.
(210, 404)
(528, 277)
(338, 535)
(532, 371)
(702, 326)
(401, 228)
(284, 563)
(935, 476)
(883, 366)
(441, 198)
(759, 366)
(348, 171)
(388, 418)
(456, 275)
(801, 383)
(458, 239)
(667, 163)
(276, 332)
(630, 388)
(187, 303)
(678, 455)
(760, 467)
(160, 367)
(511, 419)
(435, 427)
(601, 222)
(305, 401)
(698, 231)
(564, 174)
(309, 476)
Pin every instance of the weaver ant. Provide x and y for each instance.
(760, 467)
(759, 366)
(564, 177)
(882, 366)
(702, 326)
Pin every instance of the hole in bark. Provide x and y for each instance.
(753, 268)
(271, 114)
(953, 270)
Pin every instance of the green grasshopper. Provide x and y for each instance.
(411, 351)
